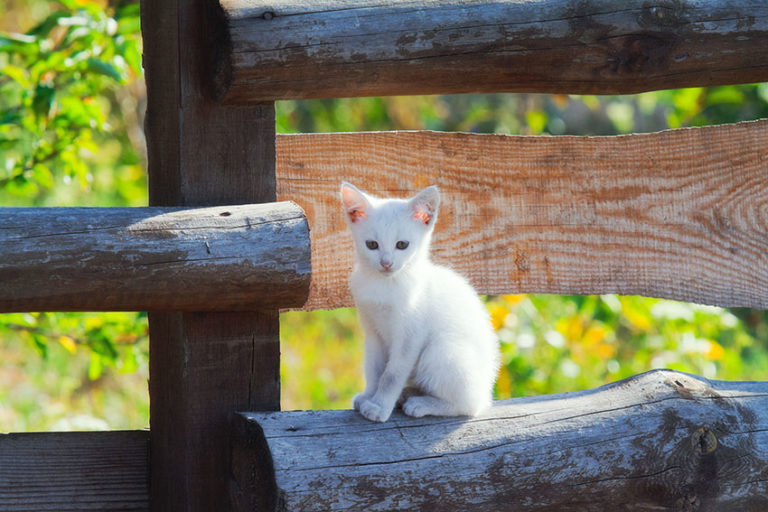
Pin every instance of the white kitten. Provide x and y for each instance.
(429, 343)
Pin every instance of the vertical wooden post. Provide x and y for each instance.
(203, 367)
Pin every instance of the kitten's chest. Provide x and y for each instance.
(385, 322)
(382, 294)
(388, 307)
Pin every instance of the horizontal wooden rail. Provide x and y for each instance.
(284, 49)
(63, 471)
(231, 258)
(681, 214)
(659, 441)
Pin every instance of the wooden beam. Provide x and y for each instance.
(659, 441)
(63, 471)
(678, 214)
(203, 366)
(287, 49)
(159, 258)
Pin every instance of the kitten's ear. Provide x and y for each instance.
(424, 205)
(356, 206)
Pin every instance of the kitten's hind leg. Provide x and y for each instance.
(407, 393)
(418, 406)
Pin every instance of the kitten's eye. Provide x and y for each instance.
(402, 245)
(372, 244)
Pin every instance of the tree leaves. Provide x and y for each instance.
(60, 93)
(101, 67)
(42, 100)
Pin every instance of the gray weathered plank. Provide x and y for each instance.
(140, 259)
(288, 49)
(679, 214)
(662, 440)
(68, 471)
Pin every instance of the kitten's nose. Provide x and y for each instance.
(386, 264)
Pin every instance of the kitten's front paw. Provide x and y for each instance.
(374, 412)
(358, 400)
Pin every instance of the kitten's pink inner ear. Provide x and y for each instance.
(354, 204)
(356, 215)
(423, 216)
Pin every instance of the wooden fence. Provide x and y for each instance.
(680, 214)
(661, 440)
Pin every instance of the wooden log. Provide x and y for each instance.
(659, 441)
(204, 366)
(679, 214)
(75, 471)
(287, 49)
(140, 259)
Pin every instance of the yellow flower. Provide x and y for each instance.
(498, 315)
(715, 352)
(68, 343)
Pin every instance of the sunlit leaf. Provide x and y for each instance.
(104, 68)
(96, 366)
(42, 175)
(537, 121)
(41, 344)
(16, 73)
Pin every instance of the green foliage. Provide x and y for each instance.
(60, 90)
(321, 359)
(530, 113)
(92, 375)
(563, 343)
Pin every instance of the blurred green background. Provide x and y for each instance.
(72, 100)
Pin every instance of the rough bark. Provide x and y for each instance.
(149, 259)
(663, 440)
(288, 49)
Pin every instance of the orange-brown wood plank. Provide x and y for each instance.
(680, 214)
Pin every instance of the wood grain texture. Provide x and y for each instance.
(658, 441)
(203, 366)
(74, 471)
(289, 49)
(681, 214)
(157, 258)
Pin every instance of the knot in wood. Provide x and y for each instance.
(689, 502)
(703, 441)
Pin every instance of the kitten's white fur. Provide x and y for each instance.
(429, 343)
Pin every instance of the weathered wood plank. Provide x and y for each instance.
(64, 471)
(658, 441)
(681, 214)
(335, 48)
(203, 366)
(159, 258)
